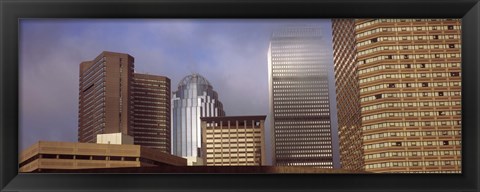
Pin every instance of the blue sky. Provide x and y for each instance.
(231, 54)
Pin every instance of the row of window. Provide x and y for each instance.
(408, 75)
(411, 123)
(413, 163)
(409, 56)
(299, 106)
(301, 155)
(407, 28)
(299, 82)
(410, 144)
(375, 21)
(411, 133)
(301, 110)
(226, 145)
(423, 38)
(411, 114)
(279, 138)
(293, 94)
(432, 47)
(410, 85)
(412, 94)
(414, 154)
(300, 114)
(410, 104)
(300, 98)
(406, 66)
(303, 143)
(302, 122)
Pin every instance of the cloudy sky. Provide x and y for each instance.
(231, 54)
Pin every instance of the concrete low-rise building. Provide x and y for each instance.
(69, 155)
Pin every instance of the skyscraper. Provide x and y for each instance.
(104, 92)
(194, 98)
(151, 111)
(298, 68)
(409, 80)
(114, 99)
(348, 94)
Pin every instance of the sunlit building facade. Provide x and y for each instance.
(194, 98)
(233, 141)
(409, 73)
(299, 98)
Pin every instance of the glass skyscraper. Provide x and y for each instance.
(194, 98)
(298, 68)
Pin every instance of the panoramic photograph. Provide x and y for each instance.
(266, 96)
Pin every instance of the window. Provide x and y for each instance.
(441, 113)
(445, 142)
(450, 27)
(391, 85)
(424, 84)
(374, 40)
(405, 57)
(422, 65)
(378, 96)
(408, 84)
(398, 144)
(440, 93)
(407, 65)
(435, 37)
(451, 46)
(454, 74)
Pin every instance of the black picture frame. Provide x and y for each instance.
(11, 11)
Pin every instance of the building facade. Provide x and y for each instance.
(348, 94)
(114, 99)
(298, 69)
(409, 73)
(233, 141)
(104, 92)
(49, 155)
(194, 98)
(151, 111)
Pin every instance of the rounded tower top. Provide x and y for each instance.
(194, 78)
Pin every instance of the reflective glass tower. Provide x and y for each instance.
(299, 65)
(194, 98)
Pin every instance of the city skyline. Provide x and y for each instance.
(404, 76)
(51, 50)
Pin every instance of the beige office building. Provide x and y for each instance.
(233, 141)
(49, 155)
(409, 79)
